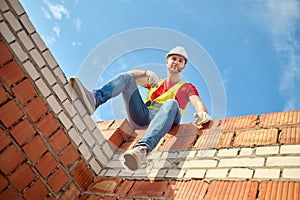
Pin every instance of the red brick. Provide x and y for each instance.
(279, 190)
(11, 73)
(280, 119)
(59, 141)
(290, 135)
(48, 125)
(241, 122)
(22, 177)
(113, 136)
(46, 164)
(58, 180)
(84, 197)
(4, 95)
(105, 185)
(232, 190)
(24, 91)
(10, 158)
(22, 131)
(10, 113)
(36, 191)
(105, 125)
(214, 139)
(192, 189)
(126, 146)
(256, 137)
(82, 175)
(148, 188)
(4, 141)
(72, 193)
(36, 108)
(184, 129)
(124, 188)
(140, 133)
(35, 148)
(3, 182)
(69, 156)
(5, 53)
(212, 125)
(8, 194)
(126, 131)
(176, 143)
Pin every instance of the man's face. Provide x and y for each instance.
(175, 63)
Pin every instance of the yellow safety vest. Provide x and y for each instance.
(170, 94)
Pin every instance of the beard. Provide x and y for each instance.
(174, 69)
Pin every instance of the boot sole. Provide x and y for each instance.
(131, 161)
(76, 84)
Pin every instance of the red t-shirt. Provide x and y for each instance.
(182, 96)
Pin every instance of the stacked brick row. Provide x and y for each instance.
(49, 146)
(116, 188)
(37, 159)
(36, 60)
(247, 147)
(247, 157)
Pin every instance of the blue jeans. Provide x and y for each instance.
(158, 122)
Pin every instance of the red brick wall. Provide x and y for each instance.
(37, 158)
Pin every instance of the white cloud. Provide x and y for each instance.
(76, 43)
(56, 30)
(57, 10)
(46, 13)
(77, 23)
(281, 19)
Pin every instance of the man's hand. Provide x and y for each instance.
(201, 118)
(152, 78)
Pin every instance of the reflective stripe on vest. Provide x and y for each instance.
(170, 94)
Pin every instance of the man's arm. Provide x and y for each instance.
(140, 77)
(201, 115)
(145, 77)
(197, 103)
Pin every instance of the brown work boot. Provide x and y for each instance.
(135, 156)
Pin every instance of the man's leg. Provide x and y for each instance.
(125, 83)
(137, 111)
(165, 118)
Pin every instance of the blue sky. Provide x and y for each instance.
(249, 62)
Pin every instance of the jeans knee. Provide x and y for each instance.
(171, 104)
(128, 77)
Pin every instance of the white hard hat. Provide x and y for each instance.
(178, 50)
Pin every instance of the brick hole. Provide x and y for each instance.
(279, 135)
(233, 138)
(195, 141)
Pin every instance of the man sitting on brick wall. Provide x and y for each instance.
(163, 107)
